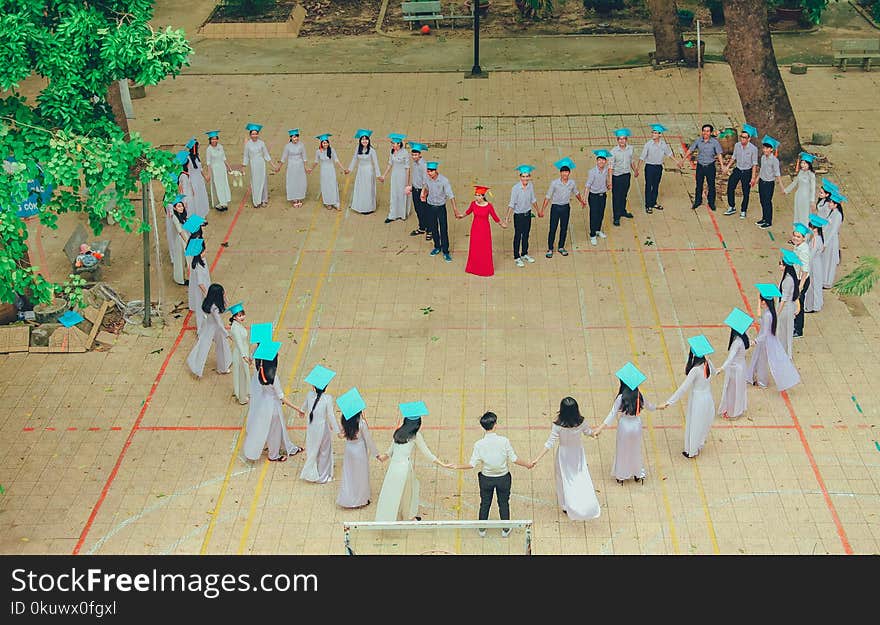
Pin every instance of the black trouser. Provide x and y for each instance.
(522, 225)
(421, 209)
(707, 173)
(765, 194)
(597, 211)
(439, 231)
(489, 485)
(619, 191)
(653, 173)
(799, 318)
(559, 214)
(741, 177)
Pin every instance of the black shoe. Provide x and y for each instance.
(186, 283)
(685, 454)
(627, 215)
(616, 223)
(658, 207)
(797, 335)
(765, 225)
(619, 481)
(649, 210)
(388, 221)
(695, 207)
(711, 207)
(760, 222)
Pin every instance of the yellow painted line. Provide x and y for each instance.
(656, 312)
(667, 506)
(215, 513)
(253, 509)
(460, 481)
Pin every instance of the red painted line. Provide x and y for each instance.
(116, 429)
(469, 328)
(818, 427)
(443, 428)
(839, 427)
(189, 428)
(50, 429)
(94, 429)
(28, 430)
(730, 264)
(71, 429)
(134, 428)
(863, 426)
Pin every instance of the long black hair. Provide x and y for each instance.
(351, 426)
(194, 156)
(569, 415)
(407, 430)
(839, 206)
(361, 149)
(182, 215)
(329, 148)
(197, 259)
(214, 297)
(771, 306)
(788, 270)
(694, 361)
(266, 370)
(819, 231)
(318, 393)
(743, 337)
(631, 401)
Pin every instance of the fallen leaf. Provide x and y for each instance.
(224, 244)
(157, 351)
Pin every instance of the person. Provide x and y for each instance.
(87, 257)
(574, 486)
(790, 300)
(653, 153)
(363, 197)
(734, 399)
(493, 454)
(322, 424)
(241, 354)
(522, 201)
(832, 237)
(620, 165)
(325, 156)
(596, 190)
(805, 183)
(199, 179)
(399, 497)
(265, 425)
(354, 488)
(184, 184)
(175, 217)
(769, 355)
(294, 155)
(559, 197)
(701, 406)
(255, 158)
(215, 159)
(708, 152)
(768, 175)
(804, 274)
(627, 407)
(436, 192)
(199, 276)
(211, 331)
(418, 175)
(479, 261)
(399, 166)
(745, 171)
(815, 299)
(823, 204)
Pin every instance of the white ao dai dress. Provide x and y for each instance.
(265, 422)
(210, 331)
(399, 497)
(769, 358)
(256, 155)
(701, 407)
(354, 489)
(628, 460)
(241, 368)
(574, 486)
(805, 182)
(363, 197)
(318, 466)
(295, 156)
(399, 200)
(215, 158)
(734, 399)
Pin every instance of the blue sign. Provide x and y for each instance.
(38, 194)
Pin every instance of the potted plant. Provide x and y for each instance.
(788, 10)
(483, 6)
(716, 10)
(685, 17)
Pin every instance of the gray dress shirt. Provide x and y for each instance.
(439, 190)
(708, 150)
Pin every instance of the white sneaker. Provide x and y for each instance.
(519, 262)
(482, 533)
(592, 240)
(742, 215)
(529, 258)
(601, 234)
(505, 533)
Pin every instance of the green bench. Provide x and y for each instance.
(421, 12)
(863, 49)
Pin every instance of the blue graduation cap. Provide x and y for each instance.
(700, 345)
(70, 318)
(790, 258)
(362, 132)
(838, 197)
(816, 220)
(564, 162)
(799, 227)
(397, 137)
(257, 127)
(768, 291)
(181, 157)
(413, 410)
(267, 350)
(213, 133)
(750, 130)
(236, 308)
(602, 154)
(178, 198)
(261, 332)
(525, 169)
(768, 140)
(194, 247)
(806, 156)
(738, 320)
(350, 403)
(190, 143)
(631, 376)
(293, 132)
(432, 164)
(193, 223)
(622, 132)
(320, 377)
(324, 137)
(417, 147)
(659, 128)
(829, 186)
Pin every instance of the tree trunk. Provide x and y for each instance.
(114, 99)
(749, 52)
(667, 33)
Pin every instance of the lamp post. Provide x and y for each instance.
(476, 71)
(146, 219)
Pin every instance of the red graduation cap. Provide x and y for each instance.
(480, 190)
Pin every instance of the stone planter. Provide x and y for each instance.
(689, 53)
(49, 313)
(136, 91)
(789, 14)
(256, 30)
